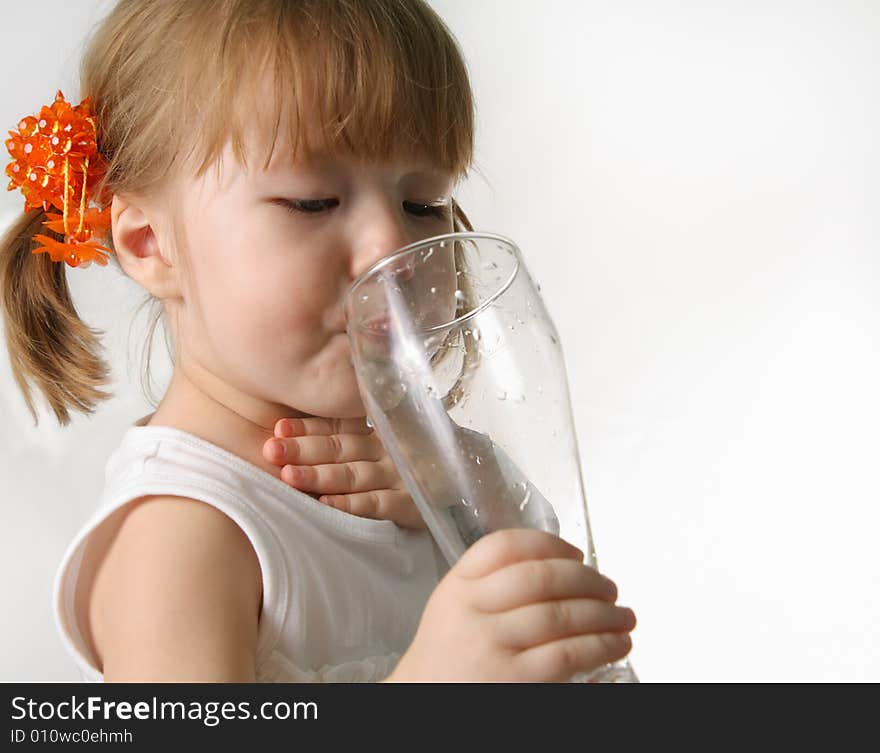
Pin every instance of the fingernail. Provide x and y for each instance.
(277, 450)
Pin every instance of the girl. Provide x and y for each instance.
(251, 158)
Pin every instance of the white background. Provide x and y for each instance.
(695, 186)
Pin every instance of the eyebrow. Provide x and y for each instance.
(288, 171)
(329, 161)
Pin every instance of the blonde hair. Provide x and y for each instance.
(173, 81)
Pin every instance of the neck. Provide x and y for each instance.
(202, 404)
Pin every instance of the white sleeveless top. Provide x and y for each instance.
(342, 595)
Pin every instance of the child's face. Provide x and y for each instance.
(263, 310)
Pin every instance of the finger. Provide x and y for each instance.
(541, 580)
(295, 427)
(536, 624)
(501, 548)
(325, 448)
(558, 661)
(384, 504)
(337, 478)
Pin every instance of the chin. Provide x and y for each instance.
(353, 409)
(339, 399)
(347, 405)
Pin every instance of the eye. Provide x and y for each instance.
(441, 211)
(316, 206)
(308, 206)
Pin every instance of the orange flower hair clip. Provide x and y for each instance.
(55, 162)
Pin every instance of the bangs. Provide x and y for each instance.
(372, 80)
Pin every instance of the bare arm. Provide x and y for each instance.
(177, 596)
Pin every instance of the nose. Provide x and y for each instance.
(382, 233)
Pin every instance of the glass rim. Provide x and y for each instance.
(433, 240)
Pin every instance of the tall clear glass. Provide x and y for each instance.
(461, 371)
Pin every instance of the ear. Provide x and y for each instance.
(138, 249)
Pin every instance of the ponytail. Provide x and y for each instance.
(47, 342)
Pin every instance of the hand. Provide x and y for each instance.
(345, 462)
(518, 606)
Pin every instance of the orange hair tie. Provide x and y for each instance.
(55, 162)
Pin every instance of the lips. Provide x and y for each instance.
(378, 325)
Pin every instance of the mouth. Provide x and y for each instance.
(378, 325)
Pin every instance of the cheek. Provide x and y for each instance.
(258, 288)
(274, 312)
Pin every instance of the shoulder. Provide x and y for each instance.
(173, 572)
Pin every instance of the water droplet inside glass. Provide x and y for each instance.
(433, 290)
(442, 244)
(479, 461)
(365, 297)
(369, 423)
(553, 340)
(511, 326)
(525, 499)
(465, 502)
(501, 395)
(476, 335)
(428, 254)
(538, 287)
(459, 295)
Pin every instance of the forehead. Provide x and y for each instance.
(324, 162)
(283, 171)
(271, 122)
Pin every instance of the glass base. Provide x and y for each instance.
(619, 671)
